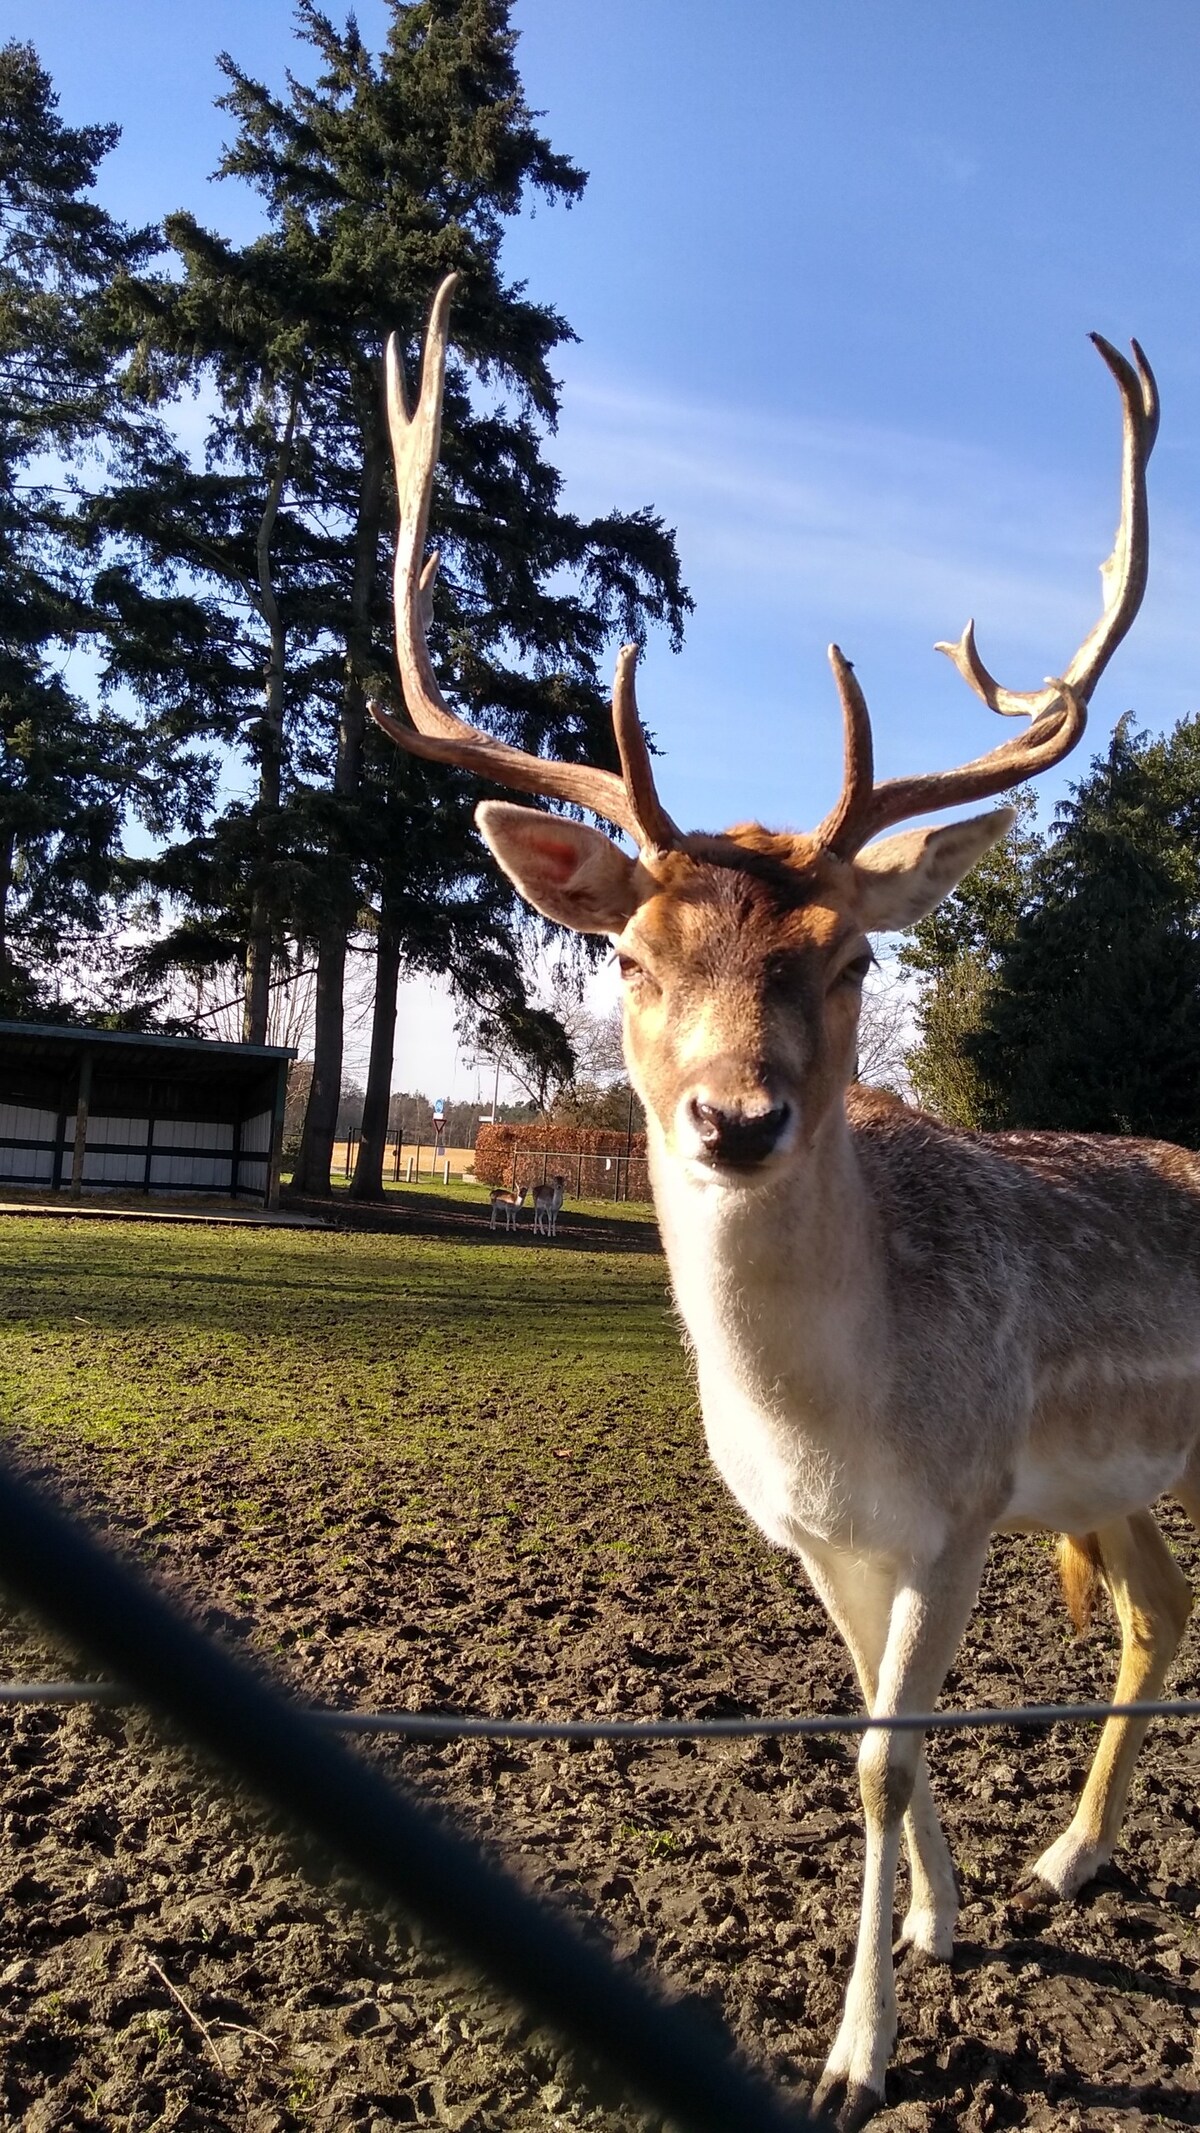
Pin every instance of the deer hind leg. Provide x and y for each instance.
(922, 1616)
(1153, 1600)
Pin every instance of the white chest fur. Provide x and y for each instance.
(787, 1382)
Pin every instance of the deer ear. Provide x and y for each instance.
(566, 870)
(903, 878)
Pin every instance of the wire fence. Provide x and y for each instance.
(665, 2054)
(588, 1177)
(451, 1726)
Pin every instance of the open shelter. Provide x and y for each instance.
(89, 1109)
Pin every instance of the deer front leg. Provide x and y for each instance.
(858, 1598)
(929, 1610)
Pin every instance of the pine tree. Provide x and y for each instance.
(214, 623)
(71, 772)
(957, 953)
(378, 179)
(1093, 1024)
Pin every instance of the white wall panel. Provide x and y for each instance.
(174, 1163)
(256, 1134)
(103, 1132)
(21, 1122)
(100, 1168)
(27, 1166)
(191, 1173)
(184, 1133)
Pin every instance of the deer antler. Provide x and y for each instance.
(436, 732)
(1059, 710)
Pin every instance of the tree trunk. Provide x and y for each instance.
(311, 1175)
(315, 1160)
(7, 856)
(257, 1005)
(367, 1183)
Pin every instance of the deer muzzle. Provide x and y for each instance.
(727, 1133)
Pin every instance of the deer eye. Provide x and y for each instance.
(853, 972)
(637, 978)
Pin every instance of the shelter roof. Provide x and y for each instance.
(139, 1051)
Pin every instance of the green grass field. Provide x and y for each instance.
(459, 1472)
(475, 1371)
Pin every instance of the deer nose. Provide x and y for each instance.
(739, 1137)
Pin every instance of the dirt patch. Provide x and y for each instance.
(729, 1871)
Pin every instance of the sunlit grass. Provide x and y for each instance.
(475, 1364)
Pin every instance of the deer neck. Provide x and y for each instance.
(776, 1282)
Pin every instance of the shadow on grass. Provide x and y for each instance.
(431, 1215)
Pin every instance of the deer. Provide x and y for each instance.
(907, 1337)
(547, 1199)
(507, 1203)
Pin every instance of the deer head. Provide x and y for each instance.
(744, 953)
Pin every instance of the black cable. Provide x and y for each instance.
(666, 2053)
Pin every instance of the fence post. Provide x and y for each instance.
(408, 1172)
(396, 1163)
(446, 1171)
(579, 1178)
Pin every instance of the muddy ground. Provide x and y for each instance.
(163, 1962)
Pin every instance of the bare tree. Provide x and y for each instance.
(886, 1029)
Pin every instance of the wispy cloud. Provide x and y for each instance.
(941, 159)
(793, 531)
(903, 530)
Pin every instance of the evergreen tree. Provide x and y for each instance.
(211, 597)
(957, 952)
(1093, 1024)
(377, 180)
(71, 772)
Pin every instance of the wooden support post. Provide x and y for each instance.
(59, 1146)
(274, 1160)
(82, 1107)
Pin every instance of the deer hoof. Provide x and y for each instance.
(846, 2104)
(1033, 1898)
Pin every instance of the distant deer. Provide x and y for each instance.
(508, 1203)
(907, 1337)
(547, 1199)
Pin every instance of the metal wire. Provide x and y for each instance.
(681, 2063)
(445, 1726)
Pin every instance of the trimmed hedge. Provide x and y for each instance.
(592, 1159)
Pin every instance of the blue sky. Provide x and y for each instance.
(832, 280)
